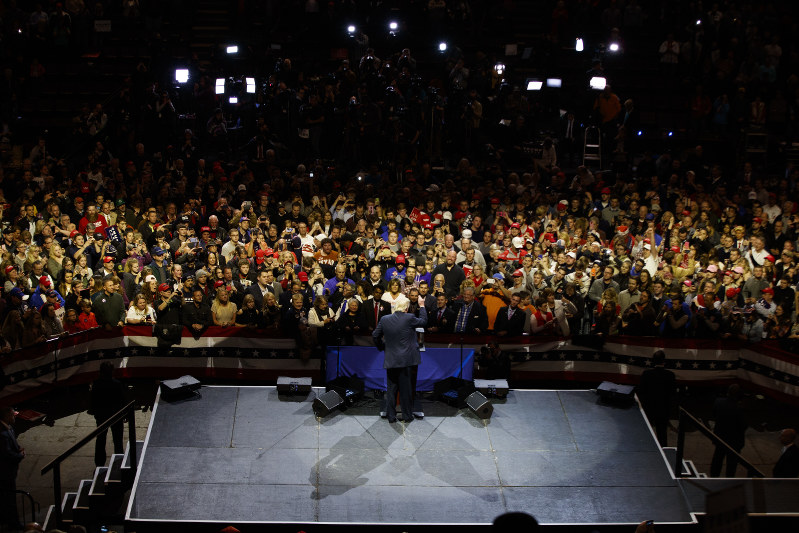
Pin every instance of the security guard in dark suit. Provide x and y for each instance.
(10, 456)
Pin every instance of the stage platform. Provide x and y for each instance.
(247, 455)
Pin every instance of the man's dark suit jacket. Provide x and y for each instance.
(368, 309)
(514, 326)
(398, 331)
(10, 454)
(445, 323)
(788, 463)
(655, 391)
(478, 319)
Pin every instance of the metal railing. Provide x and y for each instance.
(26, 498)
(129, 412)
(686, 418)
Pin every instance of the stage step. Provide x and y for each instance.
(67, 510)
(688, 470)
(139, 448)
(114, 474)
(81, 507)
(98, 482)
(82, 500)
(46, 525)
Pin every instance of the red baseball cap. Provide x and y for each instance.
(9, 268)
(164, 287)
(218, 283)
(44, 281)
(303, 276)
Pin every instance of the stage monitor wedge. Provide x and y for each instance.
(492, 387)
(180, 388)
(326, 403)
(480, 405)
(287, 385)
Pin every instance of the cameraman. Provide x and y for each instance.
(168, 306)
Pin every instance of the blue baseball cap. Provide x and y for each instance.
(16, 291)
(157, 250)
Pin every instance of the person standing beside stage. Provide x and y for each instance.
(10, 456)
(731, 427)
(788, 463)
(107, 397)
(396, 334)
(655, 391)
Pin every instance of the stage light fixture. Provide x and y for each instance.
(554, 83)
(220, 86)
(351, 30)
(232, 49)
(442, 46)
(233, 100)
(579, 45)
(698, 22)
(598, 83)
(250, 85)
(671, 134)
(393, 27)
(640, 133)
(499, 68)
(614, 47)
(181, 75)
(534, 85)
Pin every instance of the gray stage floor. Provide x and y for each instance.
(243, 454)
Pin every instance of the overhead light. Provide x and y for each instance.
(442, 46)
(351, 29)
(233, 100)
(499, 68)
(393, 26)
(534, 85)
(698, 22)
(614, 47)
(579, 46)
(554, 82)
(598, 83)
(671, 134)
(232, 49)
(220, 86)
(181, 75)
(640, 132)
(250, 85)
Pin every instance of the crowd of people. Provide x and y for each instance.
(334, 211)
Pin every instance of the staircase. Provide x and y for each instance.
(102, 498)
(689, 469)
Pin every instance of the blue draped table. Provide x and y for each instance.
(367, 363)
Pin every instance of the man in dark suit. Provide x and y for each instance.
(441, 318)
(510, 319)
(397, 334)
(266, 283)
(731, 427)
(107, 397)
(788, 463)
(374, 308)
(655, 392)
(10, 456)
(471, 317)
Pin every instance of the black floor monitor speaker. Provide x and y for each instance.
(613, 392)
(492, 387)
(350, 388)
(287, 385)
(180, 388)
(453, 391)
(479, 405)
(326, 403)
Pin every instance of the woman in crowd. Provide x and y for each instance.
(352, 322)
(249, 316)
(56, 260)
(131, 277)
(13, 329)
(394, 295)
(140, 311)
(223, 310)
(51, 324)
(33, 332)
(271, 313)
